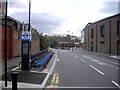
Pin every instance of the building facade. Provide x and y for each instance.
(14, 30)
(63, 39)
(103, 36)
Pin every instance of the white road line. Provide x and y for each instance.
(86, 56)
(116, 67)
(116, 84)
(96, 69)
(83, 61)
(94, 60)
(108, 60)
(111, 65)
(76, 57)
(15, 68)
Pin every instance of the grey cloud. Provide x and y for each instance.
(110, 7)
(17, 5)
(43, 22)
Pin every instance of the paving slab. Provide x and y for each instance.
(27, 77)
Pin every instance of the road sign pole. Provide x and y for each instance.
(26, 45)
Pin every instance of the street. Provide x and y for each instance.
(83, 69)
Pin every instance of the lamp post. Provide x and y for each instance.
(5, 43)
(71, 39)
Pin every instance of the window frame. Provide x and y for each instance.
(92, 33)
(118, 27)
(102, 30)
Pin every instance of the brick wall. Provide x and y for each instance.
(35, 44)
(105, 44)
(16, 43)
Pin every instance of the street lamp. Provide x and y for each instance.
(71, 39)
(5, 43)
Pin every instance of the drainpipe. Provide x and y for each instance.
(110, 37)
(88, 39)
(96, 38)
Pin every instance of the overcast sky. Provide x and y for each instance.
(61, 16)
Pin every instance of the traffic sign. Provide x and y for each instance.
(25, 35)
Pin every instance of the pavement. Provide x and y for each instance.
(28, 79)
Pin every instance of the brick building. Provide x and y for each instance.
(63, 39)
(103, 36)
(14, 30)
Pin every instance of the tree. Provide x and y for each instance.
(44, 42)
(54, 43)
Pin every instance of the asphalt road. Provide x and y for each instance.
(83, 69)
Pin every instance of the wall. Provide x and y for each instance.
(9, 41)
(106, 44)
(35, 44)
(16, 43)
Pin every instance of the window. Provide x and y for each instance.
(92, 46)
(102, 30)
(92, 33)
(118, 27)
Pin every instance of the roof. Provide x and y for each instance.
(89, 24)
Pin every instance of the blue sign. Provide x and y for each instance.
(25, 36)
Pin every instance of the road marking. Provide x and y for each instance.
(116, 84)
(96, 69)
(108, 60)
(15, 68)
(57, 79)
(86, 56)
(58, 59)
(52, 86)
(76, 57)
(103, 63)
(111, 65)
(116, 67)
(94, 60)
(53, 79)
(83, 61)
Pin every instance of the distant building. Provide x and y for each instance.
(63, 39)
(66, 40)
(102, 36)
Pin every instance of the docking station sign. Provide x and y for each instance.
(26, 36)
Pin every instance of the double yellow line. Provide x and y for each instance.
(54, 81)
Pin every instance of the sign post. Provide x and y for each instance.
(25, 50)
(26, 40)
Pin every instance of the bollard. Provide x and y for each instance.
(14, 80)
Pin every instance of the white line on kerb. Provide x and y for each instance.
(15, 68)
(116, 84)
(83, 60)
(96, 69)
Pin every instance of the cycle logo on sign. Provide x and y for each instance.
(25, 36)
